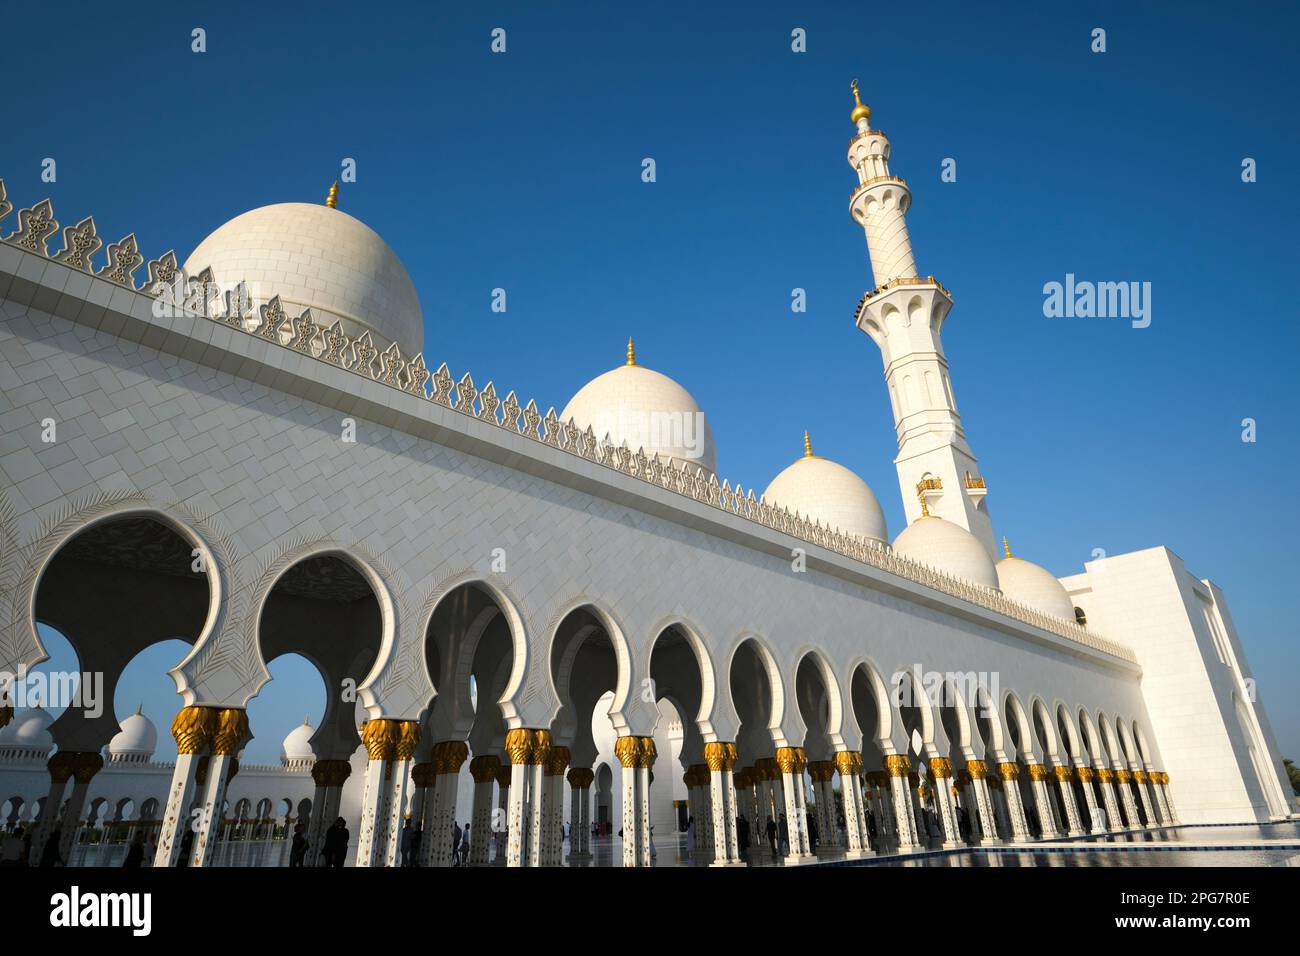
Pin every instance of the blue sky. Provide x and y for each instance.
(522, 171)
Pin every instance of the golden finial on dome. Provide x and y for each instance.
(631, 352)
(1006, 548)
(332, 200)
(807, 446)
(860, 111)
(925, 509)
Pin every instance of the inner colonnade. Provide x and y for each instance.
(928, 773)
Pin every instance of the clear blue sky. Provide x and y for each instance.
(522, 171)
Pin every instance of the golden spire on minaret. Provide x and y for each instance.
(631, 352)
(860, 111)
(807, 446)
(1006, 548)
(332, 200)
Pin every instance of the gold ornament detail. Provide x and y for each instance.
(424, 774)
(541, 746)
(230, 733)
(1062, 774)
(860, 111)
(897, 765)
(941, 767)
(1140, 776)
(646, 755)
(787, 758)
(408, 738)
(519, 746)
(330, 773)
(1084, 774)
(733, 755)
(484, 769)
(1123, 776)
(977, 769)
(503, 777)
(715, 755)
(580, 778)
(557, 762)
(448, 755)
(628, 751)
(379, 737)
(1104, 775)
(1008, 771)
(192, 727)
(848, 763)
(1037, 772)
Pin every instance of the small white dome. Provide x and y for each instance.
(297, 746)
(312, 255)
(1035, 586)
(821, 490)
(138, 737)
(647, 410)
(947, 547)
(29, 729)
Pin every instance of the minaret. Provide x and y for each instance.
(903, 316)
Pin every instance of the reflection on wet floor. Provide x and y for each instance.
(1273, 844)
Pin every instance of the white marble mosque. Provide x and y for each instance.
(526, 617)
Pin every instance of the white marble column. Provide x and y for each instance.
(537, 802)
(399, 784)
(192, 727)
(1106, 784)
(557, 762)
(501, 819)
(1085, 776)
(721, 760)
(1124, 783)
(645, 760)
(329, 777)
(521, 749)
(1038, 775)
(985, 817)
(900, 794)
(628, 751)
(228, 737)
(379, 737)
(436, 847)
(1010, 774)
(1167, 795)
(1140, 777)
(944, 802)
(849, 765)
(484, 771)
(1158, 791)
(580, 779)
(792, 762)
(1073, 821)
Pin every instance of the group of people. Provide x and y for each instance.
(17, 849)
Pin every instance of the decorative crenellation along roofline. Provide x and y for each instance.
(200, 296)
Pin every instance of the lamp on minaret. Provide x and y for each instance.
(937, 471)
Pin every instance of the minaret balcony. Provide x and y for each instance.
(922, 299)
(879, 195)
(976, 488)
(929, 490)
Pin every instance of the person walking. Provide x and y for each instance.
(455, 843)
(408, 834)
(298, 851)
(14, 853)
(742, 836)
(771, 834)
(135, 853)
(336, 843)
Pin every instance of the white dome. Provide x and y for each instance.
(821, 490)
(647, 410)
(297, 746)
(1035, 586)
(138, 737)
(312, 255)
(29, 729)
(947, 547)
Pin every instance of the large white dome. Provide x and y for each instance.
(647, 410)
(947, 547)
(29, 729)
(1035, 586)
(297, 746)
(137, 738)
(821, 490)
(317, 256)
